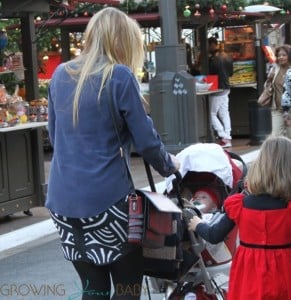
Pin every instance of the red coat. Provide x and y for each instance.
(258, 273)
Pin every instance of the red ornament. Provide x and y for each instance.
(224, 7)
(211, 11)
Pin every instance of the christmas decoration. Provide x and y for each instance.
(223, 11)
(197, 13)
(187, 12)
(224, 7)
(229, 6)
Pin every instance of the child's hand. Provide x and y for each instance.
(193, 223)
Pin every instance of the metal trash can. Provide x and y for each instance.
(260, 122)
(174, 109)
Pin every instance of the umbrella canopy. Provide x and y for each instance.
(261, 8)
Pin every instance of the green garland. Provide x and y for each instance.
(232, 5)
(148, 6)
(88, 9)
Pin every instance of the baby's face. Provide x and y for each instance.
(205, 199)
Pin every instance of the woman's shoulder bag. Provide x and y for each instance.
(267, 94)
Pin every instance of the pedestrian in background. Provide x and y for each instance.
(88, 182)
(261, 267)
(220, 64)
(286, 98)
(276, 76)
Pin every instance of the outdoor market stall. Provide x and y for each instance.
(21, 168)
(22, 176)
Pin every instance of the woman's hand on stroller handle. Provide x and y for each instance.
(175, 162)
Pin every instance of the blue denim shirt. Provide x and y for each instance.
(87, 173)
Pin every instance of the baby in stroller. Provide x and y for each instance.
(208, 175)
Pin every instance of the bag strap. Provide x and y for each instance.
(271, 74)
(113, 115)
(150, 176)
(114, 119)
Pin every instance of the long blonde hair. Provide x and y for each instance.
(271, 172)
(111, 37)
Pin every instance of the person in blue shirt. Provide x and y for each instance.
(88, 181)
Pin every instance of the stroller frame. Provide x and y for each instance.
(202, 275)
(213, 278)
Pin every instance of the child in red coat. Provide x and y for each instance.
(261, 267)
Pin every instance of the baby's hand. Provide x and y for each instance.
(194, 221)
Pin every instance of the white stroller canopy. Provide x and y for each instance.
(204, 157)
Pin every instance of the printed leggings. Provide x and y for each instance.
(126, 273)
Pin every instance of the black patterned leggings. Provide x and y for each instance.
(126, 273)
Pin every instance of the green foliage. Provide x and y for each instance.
(131, 6)
(14, 35)
(43, 88)
(45, 37)
(10, 81)
(232, 5)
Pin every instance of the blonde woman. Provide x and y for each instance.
(261, 267)
(88, 181)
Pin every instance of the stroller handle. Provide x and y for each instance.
(176, 187)
(178, 177)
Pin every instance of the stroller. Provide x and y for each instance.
(210, 169)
